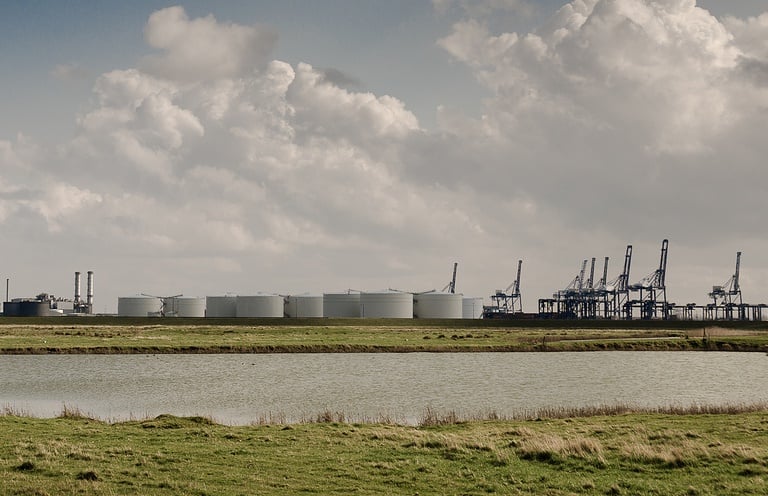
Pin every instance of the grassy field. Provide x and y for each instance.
(660, 454)
(115, 335)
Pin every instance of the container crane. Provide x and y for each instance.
(569, 299)
(588, 303)
(652, 289)
(618, 288)
(728, 296)
(506, 303)
(601, 293)
(451, 287)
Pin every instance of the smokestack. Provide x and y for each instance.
(89, 301)
(77, 287)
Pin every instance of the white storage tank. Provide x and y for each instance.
(181, 306)
(437, 306)
(341, 304)
(386, 304)
(304, 305)
(138, 306)
(221, 306)
(471, 307)
(260, 305)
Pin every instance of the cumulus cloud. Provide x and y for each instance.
(59, 202)
(203, 48)
(658, 65)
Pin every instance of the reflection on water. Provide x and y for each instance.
(239, 389)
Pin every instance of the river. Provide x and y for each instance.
(240, 389)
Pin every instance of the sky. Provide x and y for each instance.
(205, 148)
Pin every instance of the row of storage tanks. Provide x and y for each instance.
(384, 304)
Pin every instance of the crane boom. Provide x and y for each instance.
(604, 280)
(624, 280)
(581, 274)
(591, 280)
(663, 264)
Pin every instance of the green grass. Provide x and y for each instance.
(97, 335)
(621, 454)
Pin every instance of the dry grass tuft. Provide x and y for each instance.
(74, 413)
(330, 417)
(432, 418)
(551, 448)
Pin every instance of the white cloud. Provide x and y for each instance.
(203, 48)
(66, 203)
(326, 110)
(659, 65)
(751, 35)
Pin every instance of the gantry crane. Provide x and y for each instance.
(601, 294)
(617, 291)
(451, 286)
(569, 299)
(507, 302)
(652, 290)
(728, 296)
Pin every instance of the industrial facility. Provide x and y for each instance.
(618, 299)
(584, 297)
(45, 305)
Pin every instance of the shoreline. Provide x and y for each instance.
(212, 350)
(545, 345)
(430, 417)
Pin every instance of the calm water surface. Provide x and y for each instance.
(239, 389)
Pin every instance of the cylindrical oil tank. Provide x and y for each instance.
(304, 305)
(185, 307)
(261, 305)
(341, 304)
(138, 306)
(221, 306)
(386, 304)
(437, 306)
(27, 308)
(471, 307)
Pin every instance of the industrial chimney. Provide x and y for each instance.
(89, 296)
(77, 287)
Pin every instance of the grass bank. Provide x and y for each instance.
(87, 335)
(628, 453)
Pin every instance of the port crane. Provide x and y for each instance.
(601, 294)
(618, 288)
(569, 300)
(451, 286)
(652, 290)
(506, 302)
(728, 296)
